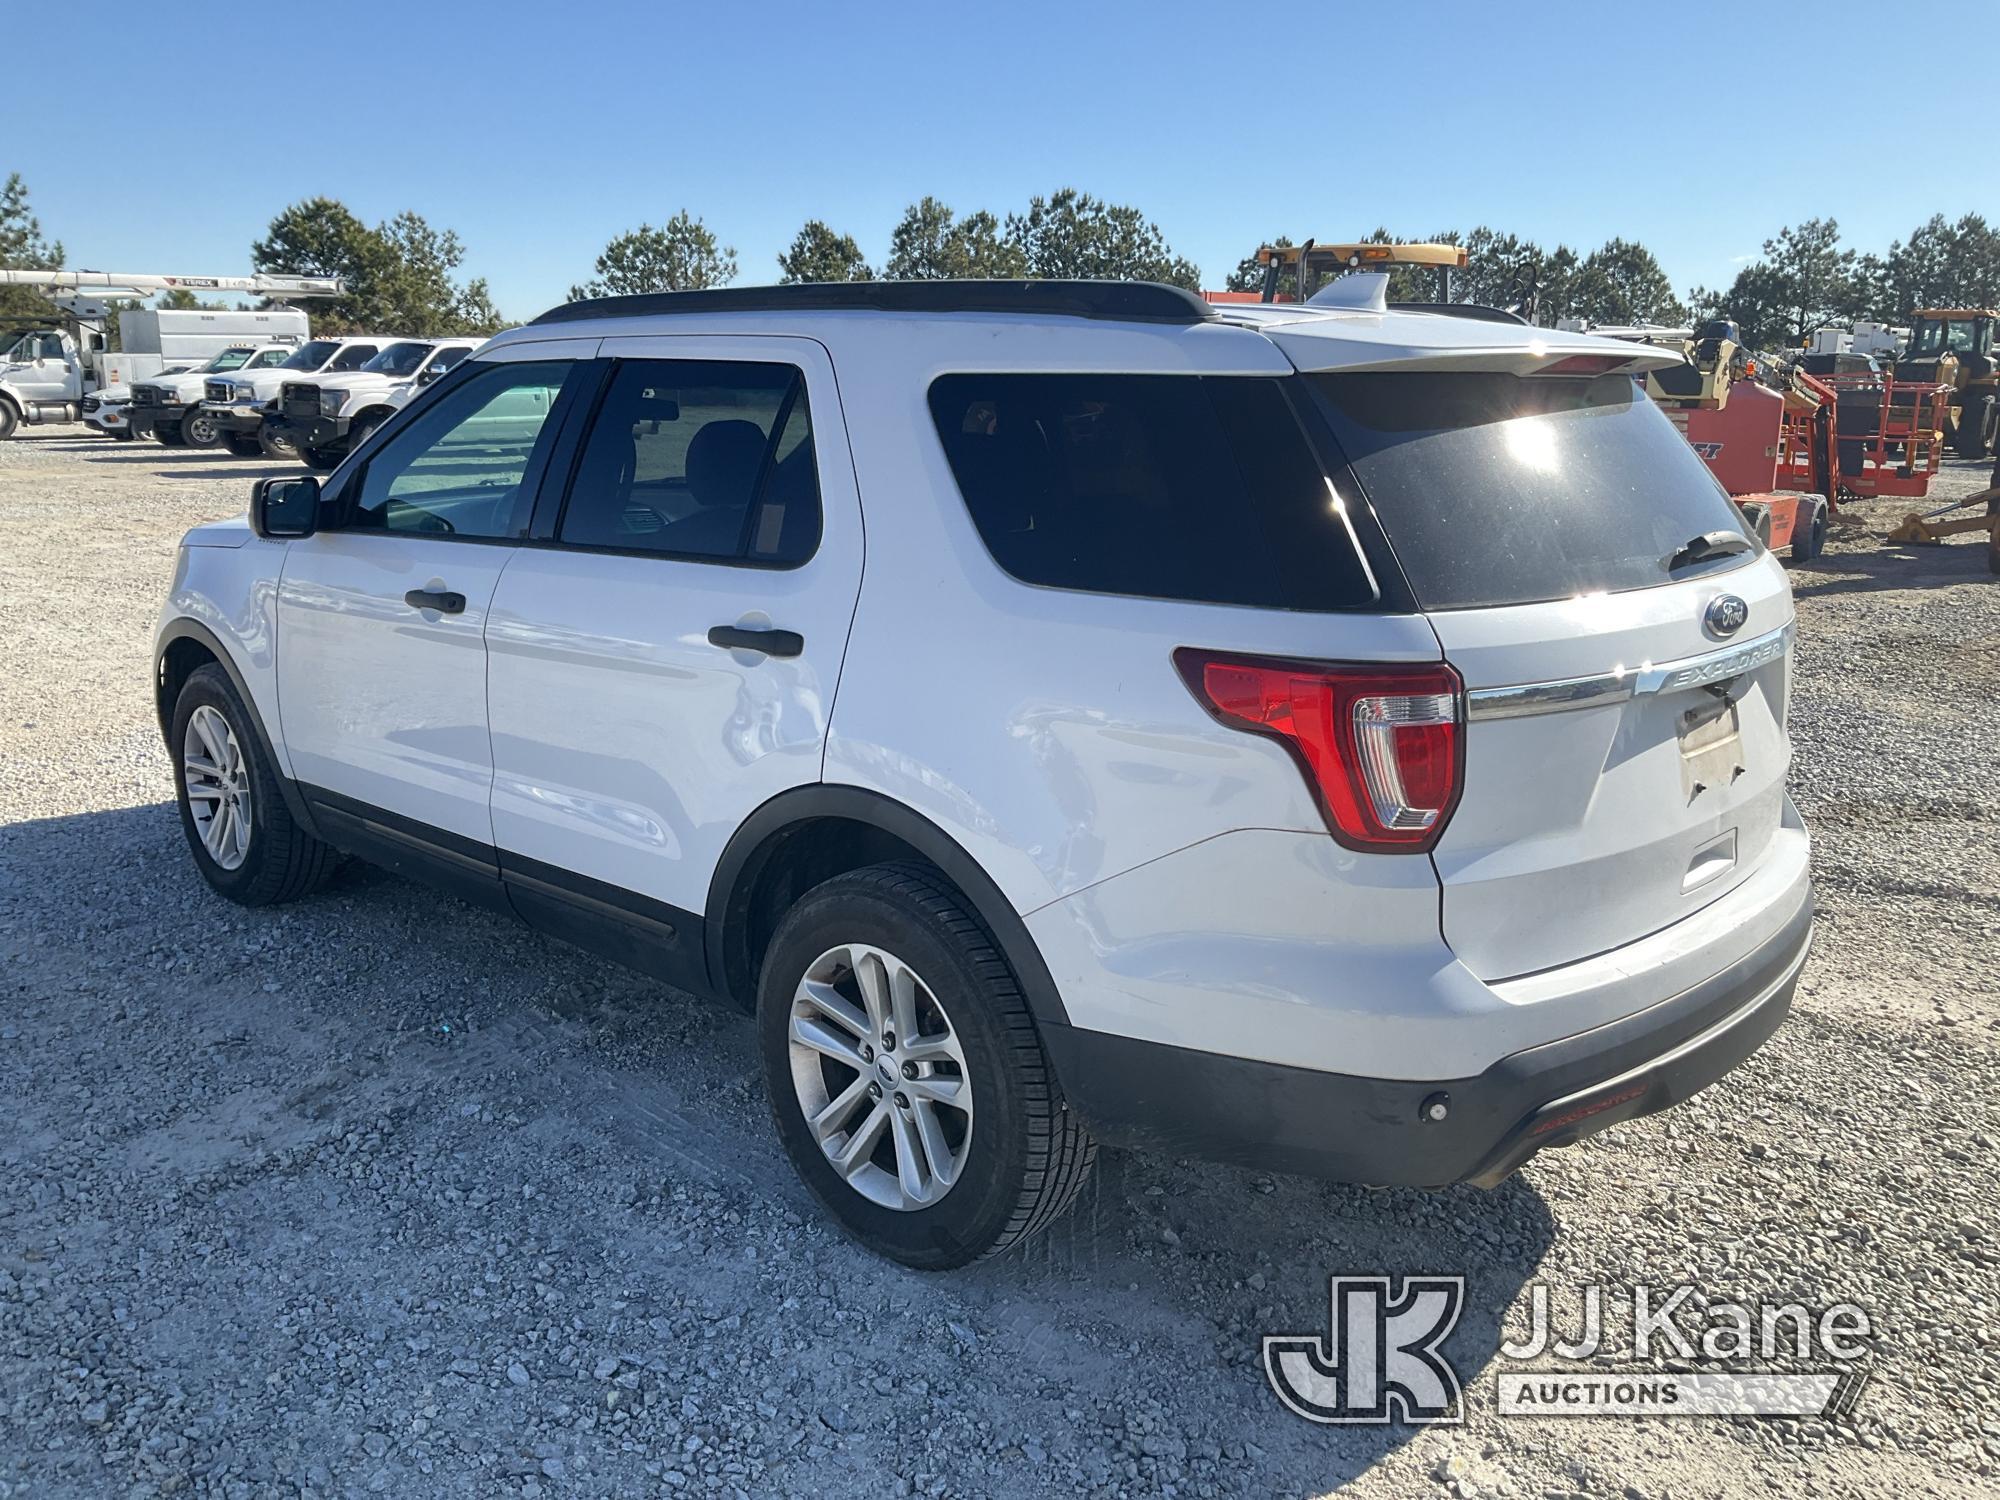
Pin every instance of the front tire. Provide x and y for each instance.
(168, 435)
(322, 460)
(242, 445)
(199, 430)
(244, 840)
(1970, 439)
(1809, 532)
(9, 420)
(273, 446)
(907, 1081)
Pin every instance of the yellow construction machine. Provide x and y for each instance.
(1932, 527)
(1313, 263)
(1954, 346)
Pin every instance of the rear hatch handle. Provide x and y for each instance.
(1621, 683)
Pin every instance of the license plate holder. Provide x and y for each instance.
(1711, 745)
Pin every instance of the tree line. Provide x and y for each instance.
(1066, 233)
(1805, 278)
(403, 273)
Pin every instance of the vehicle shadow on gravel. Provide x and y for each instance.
(386, 1094)
(180, 462)
(1890, 567)
(248, 468)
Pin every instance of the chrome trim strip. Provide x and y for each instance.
(1627, 682)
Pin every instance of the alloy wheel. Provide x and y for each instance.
(880, 1076)
(218, 787)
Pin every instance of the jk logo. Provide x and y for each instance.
(1379, 1360)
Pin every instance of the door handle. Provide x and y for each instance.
(438, 599)
(770, 642)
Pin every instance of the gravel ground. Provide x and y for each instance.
(379, 1194)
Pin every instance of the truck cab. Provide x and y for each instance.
(242, 404)
(41, 377)
(326, 419)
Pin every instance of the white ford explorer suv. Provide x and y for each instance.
(1338, 740)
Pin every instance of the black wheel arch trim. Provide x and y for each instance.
(201, 635)
(725, 924)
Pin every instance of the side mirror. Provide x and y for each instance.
(429, 373)
(284, 507)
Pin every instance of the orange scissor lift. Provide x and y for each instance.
(1796, 447)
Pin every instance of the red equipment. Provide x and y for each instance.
(1800, 449)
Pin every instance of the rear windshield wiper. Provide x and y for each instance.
(1708, 544)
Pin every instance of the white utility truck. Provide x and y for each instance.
(48, 366)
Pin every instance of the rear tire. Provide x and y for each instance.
(1016, 1154)
(259, 855)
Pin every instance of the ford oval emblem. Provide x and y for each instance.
(1726, 615)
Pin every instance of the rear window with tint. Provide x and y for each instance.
(1167, 486)
(1505, 489)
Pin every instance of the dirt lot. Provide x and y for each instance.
(380, 1194)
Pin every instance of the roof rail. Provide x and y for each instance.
(1116, 301)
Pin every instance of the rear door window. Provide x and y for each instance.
(699, 459)
(1500, 489)
(1163, 486)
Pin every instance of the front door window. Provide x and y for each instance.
(462, 467)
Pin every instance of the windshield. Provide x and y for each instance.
(228, 359)
(1935, 336)
(269, 359)
(398, 359)
(1501, 489)
(310, 356)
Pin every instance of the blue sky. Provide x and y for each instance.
(538, 131)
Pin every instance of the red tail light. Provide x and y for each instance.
(1379, 745)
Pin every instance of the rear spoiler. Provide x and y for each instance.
(1334, 331)
(1529, 357)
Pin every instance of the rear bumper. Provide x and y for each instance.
(1152, 1096)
